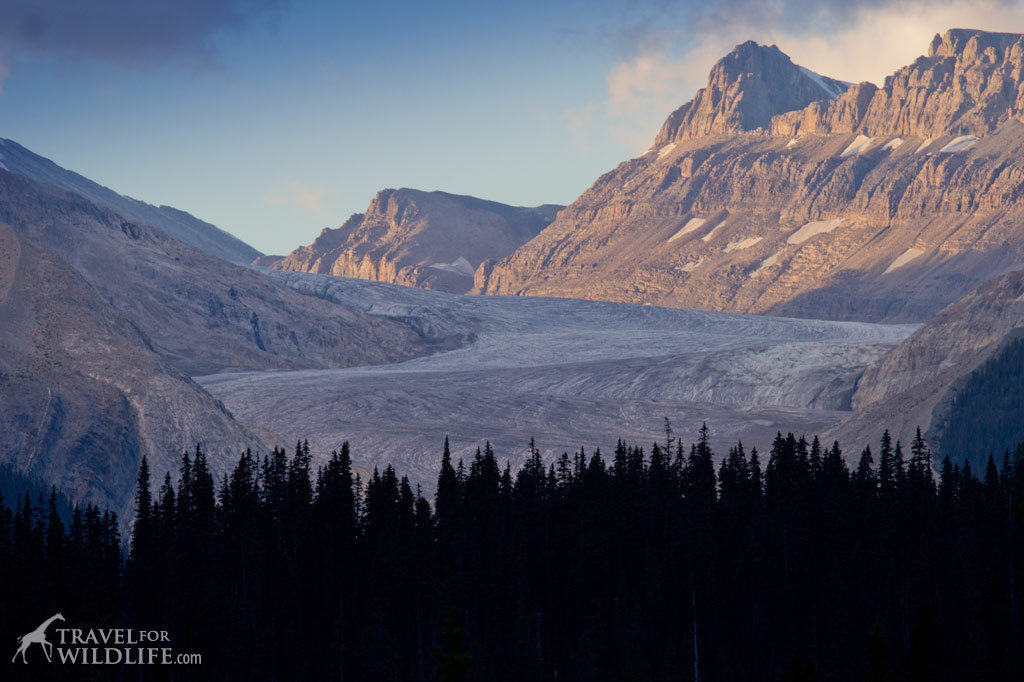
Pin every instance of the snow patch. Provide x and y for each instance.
(832, 89)
(813, 228)
(691, 225)
(666, 150)
(894, 143)
(459, 266)
(742, 244)
(691, 266)
(959, 144)
(924, 145)
(767, 263)
(858, 146)
(710, 235)
(904, 258)
(791, 143)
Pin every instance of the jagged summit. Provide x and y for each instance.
(970, 82)
(746, 88)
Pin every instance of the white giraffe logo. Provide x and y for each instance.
(37, 635)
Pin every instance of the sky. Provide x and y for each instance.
(274, 118)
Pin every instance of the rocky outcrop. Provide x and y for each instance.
(747, 87)
(896, 202)
(431, 240)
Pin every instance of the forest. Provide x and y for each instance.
(654, 563)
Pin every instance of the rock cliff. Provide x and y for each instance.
(968, 83)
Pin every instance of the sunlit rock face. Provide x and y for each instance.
(432, 240)
(868, 203)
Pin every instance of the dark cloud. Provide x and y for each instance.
(124, 31)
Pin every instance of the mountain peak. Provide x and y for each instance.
(746, 88)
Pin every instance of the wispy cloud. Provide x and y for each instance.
(640, 93)
(853, 41)
(299, 195)
(578, 122)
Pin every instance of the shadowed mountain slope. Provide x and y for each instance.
(178, 224)
(83, 396)
(202, 313)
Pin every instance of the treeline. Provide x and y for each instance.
(652, 565)
(14, 485)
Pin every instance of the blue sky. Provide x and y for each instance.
(274, 119)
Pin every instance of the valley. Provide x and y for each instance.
(568, 373)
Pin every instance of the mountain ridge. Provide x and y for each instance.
(175, 222)
(968, 83)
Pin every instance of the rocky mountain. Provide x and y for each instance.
(83, 396)
(917, 383)
(201, 313)
(872, 203)
(178, 224)
(432, 240)
(746, 89)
